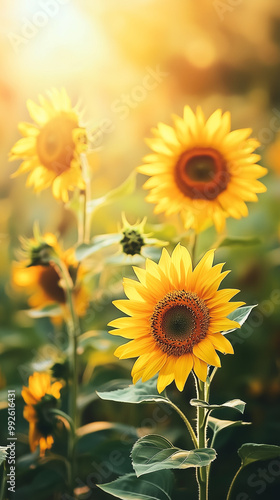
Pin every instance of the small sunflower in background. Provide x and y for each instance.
(175, 318)
(202, 170)
(38, 276)
(51, 148)
(40, 396)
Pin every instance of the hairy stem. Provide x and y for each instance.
(202, 473)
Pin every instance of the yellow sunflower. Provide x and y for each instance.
(202, 170)
(51, 149)
(176, 316)
(43, 283)
(40, 395)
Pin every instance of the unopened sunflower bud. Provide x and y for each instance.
(132, 242)
(41, 255)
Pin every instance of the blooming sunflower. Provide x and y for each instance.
(50, 149)
(40, 396)
(43, 282)
(202, 170)
(176, 316)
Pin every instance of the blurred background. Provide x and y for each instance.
(217, 54)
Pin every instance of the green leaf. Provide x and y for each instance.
(44, 483)
(138, 393)
(3, 453)
(251, 452)
(127, 187)
(153, 453)
(218, 425)
(235, 404)
(156, 486)
(86, 249)
(243, 241)
(49, 310)
(240, 315)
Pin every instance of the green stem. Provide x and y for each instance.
(73, 328)
(232, 482)
(87, 196)
(82, 217)
(186, 421)
(193, 251)
(202, 475)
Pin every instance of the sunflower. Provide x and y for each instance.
(43, 282)
(50, 149)
(40, 396)
(202, 170)
(176, 316)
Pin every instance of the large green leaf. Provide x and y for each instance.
(105, 453)
(138, 393)
(86, 249)
(243, 241)
(240, 315)
(235, 404)
(153, 453)
(44, 483)
(155, 486)
(127, 187)
(252, 452)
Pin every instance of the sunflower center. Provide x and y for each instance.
(201, 173)
(49, 281)
(45, 420)
(179, 321)
(55, 145)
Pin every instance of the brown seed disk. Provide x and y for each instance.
(179, 321)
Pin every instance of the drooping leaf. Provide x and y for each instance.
(218, 425)
(155, 486)
(51, 310)
(252, 452)
(240, 315)
(138, 393)
(243, 241)
(153, 453)
(127, 187)
(86, 249)
(235, 404)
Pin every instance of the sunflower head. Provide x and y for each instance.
(133, 236)
(39, 250)
(175, 318)
(50, 148)
(39, 276)
(202, 170)
(40, 397)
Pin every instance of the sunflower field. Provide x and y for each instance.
(140, 238)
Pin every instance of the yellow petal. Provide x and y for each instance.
(183, 368)
(204, 350)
